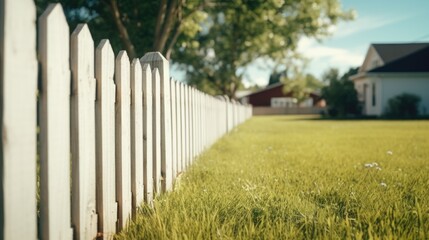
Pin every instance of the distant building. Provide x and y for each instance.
(390, 70)
(272, 100)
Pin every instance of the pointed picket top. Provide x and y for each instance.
(54, 44)
(104, 53)
(84, 216)
(147, 133)
(123, 138)
(137, 185)
(55, 11)
(105, 133)
(82, 44)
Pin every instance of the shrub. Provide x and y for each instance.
(404, 105)
(340, 94)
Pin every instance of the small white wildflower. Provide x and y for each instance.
(368, 165)
(378, 168)
(375, 164)
(383, 184)
(389, 152)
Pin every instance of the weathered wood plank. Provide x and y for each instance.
(156, 130)
(178, 129)
(123, 138)
(191, 125)
(54, 44)
(18, 88)
(107, 206)
(183, 127)
(187, 128)
(156, 60)
(148, 140)
(137, 185)
(84, 217)
(173, 128)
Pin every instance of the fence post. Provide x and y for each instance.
(107, 206)
(148, 140)
(84, 217)
(54, 44)
(18, 88)
(137, 186)
(156, 60)
(123, 138)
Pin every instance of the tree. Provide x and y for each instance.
(213, 41)
(239, 31)
(136, 26)
(301, 86)
(340, 93)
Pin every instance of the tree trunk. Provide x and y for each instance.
(123, 32)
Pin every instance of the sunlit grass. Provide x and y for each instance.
(291, 177)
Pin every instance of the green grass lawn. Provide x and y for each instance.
(293, 177)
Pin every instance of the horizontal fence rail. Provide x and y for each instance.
(114, 132)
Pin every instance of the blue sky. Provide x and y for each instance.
(377, 21)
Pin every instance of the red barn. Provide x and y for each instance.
(273, 96)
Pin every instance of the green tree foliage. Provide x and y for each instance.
(340, 94)
(239, 31)
(301, 86)
(136, 26)
(213, 41)
(405, 105)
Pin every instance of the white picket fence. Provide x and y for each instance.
(112, 133)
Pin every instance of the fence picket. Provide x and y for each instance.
(54, 125)
(123, 138)
(84, 217)
(105, 135)
(156, 129)
(173, 128)
(178, 129)
(18, 120)
(148, 140)
(136, 135)
(182, 127)
(188, 127)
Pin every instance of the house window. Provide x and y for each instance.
(373, 94)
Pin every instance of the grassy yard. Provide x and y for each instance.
(293, 177)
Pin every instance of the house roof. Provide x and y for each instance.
(417, 61)
(392, 51)
(400, 58)
(268, 87)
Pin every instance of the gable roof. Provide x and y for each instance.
(418, 61)
(398, 58)
(389, 52)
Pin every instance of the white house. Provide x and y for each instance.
(390, 70)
